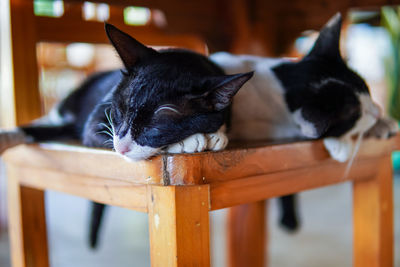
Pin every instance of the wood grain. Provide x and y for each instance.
(247, 190)
(246, 235)
(249, 159)
(27, 224)
(373, 218)
(75, 160)
(108, 191)
(179, 225)
(26, 96)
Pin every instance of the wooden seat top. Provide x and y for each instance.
(255, 170)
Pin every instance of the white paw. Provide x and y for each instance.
(10, 138)
(217, 141)
(339, 149)
(192, 144)
(384, 128)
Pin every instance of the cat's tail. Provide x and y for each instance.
(11, 138)
(95, 223)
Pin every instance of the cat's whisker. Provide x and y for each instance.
(106, 132)
(109, 119)
(109, 142)
(105, 103)
(353, 156)
(106, 126)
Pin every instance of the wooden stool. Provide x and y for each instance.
(179, 191)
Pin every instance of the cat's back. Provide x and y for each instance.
(241, 63)
(259, 110)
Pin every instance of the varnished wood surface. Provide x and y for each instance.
(76, 160)
(246, 235)
(27, 224)
(373, 229)
(179, 226)
(188, 169)
(108, 191)
(25, 98)
(235, 176)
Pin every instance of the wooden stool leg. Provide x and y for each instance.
(179, 225)
(27, 224)
(373, 218)
(247, 235)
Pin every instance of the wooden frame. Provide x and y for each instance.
(178, 191)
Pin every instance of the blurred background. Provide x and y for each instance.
(370, 44)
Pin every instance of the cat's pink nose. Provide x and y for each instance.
(124, 150)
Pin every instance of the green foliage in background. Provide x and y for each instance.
(48, 8)
(391, 21)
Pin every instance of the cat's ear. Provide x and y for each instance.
(128, 49)
(313, 122)
(327, 44)
(225, 87)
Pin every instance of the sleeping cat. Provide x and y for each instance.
(178, 101)
(316, 97)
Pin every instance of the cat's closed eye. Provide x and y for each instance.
(167, 110)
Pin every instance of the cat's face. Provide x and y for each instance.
(326, 98)
(165, 97)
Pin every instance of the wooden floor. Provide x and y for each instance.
(324, 237)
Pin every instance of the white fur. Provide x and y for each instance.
(259, 110)
(132, 151)
(201, 142)
(342, 148)
(218, 140)
(306, 127)
(192, 144)
(54, 118)
(339, 149)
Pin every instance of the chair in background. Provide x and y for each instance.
(177, 191)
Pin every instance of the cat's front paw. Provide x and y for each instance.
(339, 149)
(192, 144)
(383, 128)
(217, 141)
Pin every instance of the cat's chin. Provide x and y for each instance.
(134, 156)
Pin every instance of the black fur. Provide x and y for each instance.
(323, 86)
(127, 99)
(320, 84)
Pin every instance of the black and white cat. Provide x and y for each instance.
(169, 100)
(317, 97)
(177, 101)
